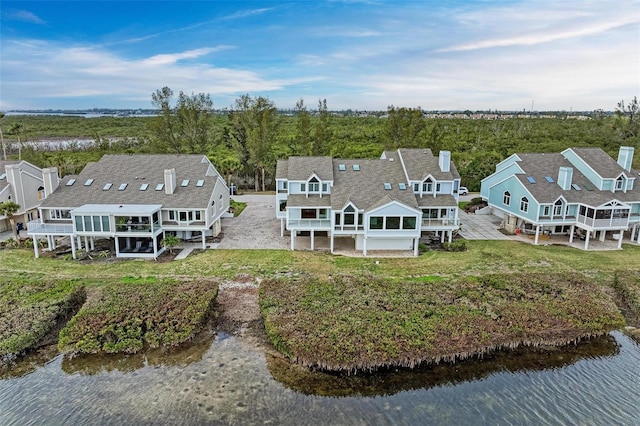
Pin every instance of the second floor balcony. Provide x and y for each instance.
(309, 224)
(49, 228)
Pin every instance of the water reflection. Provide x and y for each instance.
(393, 381)
(180, 356)
(28, 364)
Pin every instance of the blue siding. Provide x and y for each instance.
(491, 180)
(581, 166)
(517, 191)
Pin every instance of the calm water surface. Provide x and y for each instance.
(233, 380)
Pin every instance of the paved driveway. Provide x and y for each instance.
(481, 227)
(257, 226)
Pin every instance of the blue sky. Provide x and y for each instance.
(363, 55)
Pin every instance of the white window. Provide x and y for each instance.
(557, 208)
(314, 187)
(427, 186)
(416, 187)
(619, 183)
(506, 198)
(546, 210)
(524, 204)
(303, 187)
(325, 187)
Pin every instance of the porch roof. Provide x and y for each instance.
(299, 200)
(444, 200)
(117, 209)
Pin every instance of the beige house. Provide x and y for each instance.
(136, 200)
(23, 183)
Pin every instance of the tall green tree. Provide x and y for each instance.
(4, 150)
(322, 135)
(16, 129)
(631, 112)
(404, 128)
(9, 209)
(303, 139)
(186, 127)
(254, 126)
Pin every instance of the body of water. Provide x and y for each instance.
(225, 379)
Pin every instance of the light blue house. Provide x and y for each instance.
(382, 204)
(579, 192)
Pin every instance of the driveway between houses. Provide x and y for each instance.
(257, 226)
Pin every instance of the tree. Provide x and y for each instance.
(632, 112)
(304, 142)
(4, 150)
(254, 126)
(185, 128)
(322, 136)
(16, 129)
(169, 241)
(404, 128)
(8, 209)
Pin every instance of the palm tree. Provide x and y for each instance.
(8, 209)
(4, 150)
(170, 242)
(16, 129)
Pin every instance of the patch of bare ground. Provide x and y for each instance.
(239, 314)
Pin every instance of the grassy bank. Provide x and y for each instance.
(31, 309)
(125, 316)
(355, 323)
(627, 284)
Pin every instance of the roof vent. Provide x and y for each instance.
(88, 182)
(144, 187)
(122, 187)
(356, 167)
(71, 182)
(185, 182)
(107, 186)
(200, 183)
(387, 186)
(342, 167)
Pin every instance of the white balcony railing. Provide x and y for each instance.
(39, 228)
(308, 224)
(604, 223)
(436, 223)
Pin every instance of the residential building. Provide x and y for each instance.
(22, 183)
(382, 204)
(135, 200)
(580, 192)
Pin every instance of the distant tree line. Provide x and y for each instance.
(245, 142)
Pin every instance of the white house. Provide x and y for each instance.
(580, 191)
(382, 204)
(136, 200)
(22, 183)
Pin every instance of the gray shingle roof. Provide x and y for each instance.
(420, 162)
(365, 188)
(135, 170)
(601, 162)
(301, 168)
(539, 166)
(282, 169)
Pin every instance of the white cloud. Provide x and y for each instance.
(45, 73)
(24, 16)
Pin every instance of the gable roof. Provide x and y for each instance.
(420, 162)
(365, 188)
(539, 166)
(4, 182)
(601, 162)
(301, 168)
(135, 170)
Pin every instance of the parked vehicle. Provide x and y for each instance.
(463, 190)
